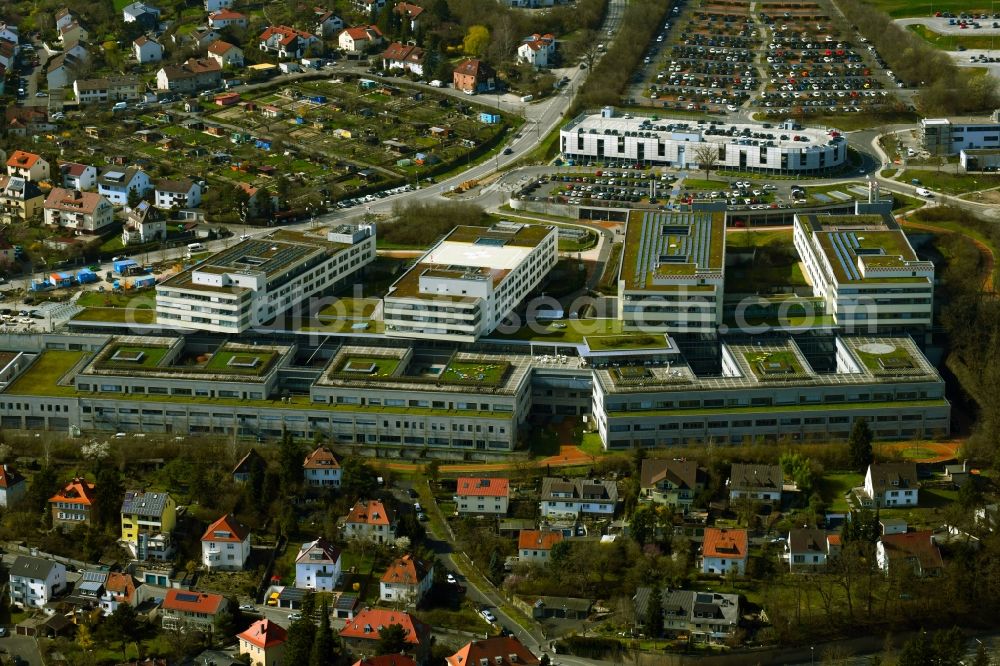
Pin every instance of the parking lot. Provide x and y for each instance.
(816, 64)
(703, 59)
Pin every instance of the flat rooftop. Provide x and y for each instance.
(271, 255)
(472, 253)
(414, 369)
(686, 129)
(661, 247)
(164, 357)
(876, 239)
(873, 360)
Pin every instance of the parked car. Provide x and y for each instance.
(488, 616)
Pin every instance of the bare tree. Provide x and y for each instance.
(707, 155)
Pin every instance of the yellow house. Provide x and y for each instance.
(149, 514)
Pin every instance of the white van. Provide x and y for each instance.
(436, 83)
(119, 106)
(527, 98)
(924, 192)
(196, 247)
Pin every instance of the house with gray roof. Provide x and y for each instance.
(702, 617)
(35, 581)
(762, 483)
(572, 497)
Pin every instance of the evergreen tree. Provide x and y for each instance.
(298, 647)
(653, 621)
(982, 657)
(860, 445)
(324, 647)
(44, 485)
(290, 458)
(391, 639)
(108, 493)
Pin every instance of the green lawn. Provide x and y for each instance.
(862, 120)
(229, 361)
(484, 373)
(904, 8)
(833, 488)
(383, 366)
(592, 444)
(781, 362)
(703, 184)
(357, 308)
(950, 183)
(43, 374)
(627, 341)
(150, 357)
(952, 42)
(757, 237)
(118, 315)
(874, 362)
(568, 331)
(114, 299)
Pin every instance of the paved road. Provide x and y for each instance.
(23, 647)
(940, 26)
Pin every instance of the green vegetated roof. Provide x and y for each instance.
(365, 366)
(773, 364)
(771, 409)
(877, 238)
(627, 341)
(489, 373)
(671, 243)
(44, 374)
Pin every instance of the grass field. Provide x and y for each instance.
(633, 341)
(833, 487)
(952, 42)
(902, 8)
(571, 331)
(118, 315)
(41, 377)
(949, 183)
(111, 299)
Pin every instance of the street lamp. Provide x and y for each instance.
(812, 655)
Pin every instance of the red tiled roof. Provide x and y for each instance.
(72, 200)
(411, 11)
(731, 544)
(913, 545)
(226, 15)
(479, 486)
(121, 585)
(193, 602)
(403, 53)
(406, 571)
(220, 47)
(330, 552)
(538, 539)
(321, 458)
(77, 491)
(371, 512)
(474, 67)
(22, 159)
(496, 651)
(264, 634)
(369, 623)
(362, 32)
(287, 34)
(9, 476)
(234, 529)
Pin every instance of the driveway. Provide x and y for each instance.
(23, 647)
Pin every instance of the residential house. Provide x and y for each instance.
(724, 550)
(406, 581)
(73, 33)
(808, 549)
(759, 483)
(535, 546)
(146, 49)
(28, 166)
(217, 5)
(73, 504)
(370, 520)
(701, 617)
(13, 486)
(673, 483)
(244, 468)
(957, 474)
(892, 526)
(181, 193)
(889, 484)
(368, 7)
(35, 581)
(357, 40)
(483, 495)
(253, 200)
(317, 566)
(182, 610)
(537, 50)
(474, 76)
(264, 641)
(226, 54)
(27, 119)
(321, 468)
(406, 57)
(195, 74)
(78, 176)
(61, 70)
(83, 211)
(145, 15)
(119, 588)
(361, 635)
(146, 516)
(20, 199)
(917, 550)
(225, 545)
(226, 18)
(109, 90)
(143, 224)
(409, 12)
(115, 183)
(328, 23)
(286, 42)
(63, 18)
(9, 32)
(498, 651)
(572, 497)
